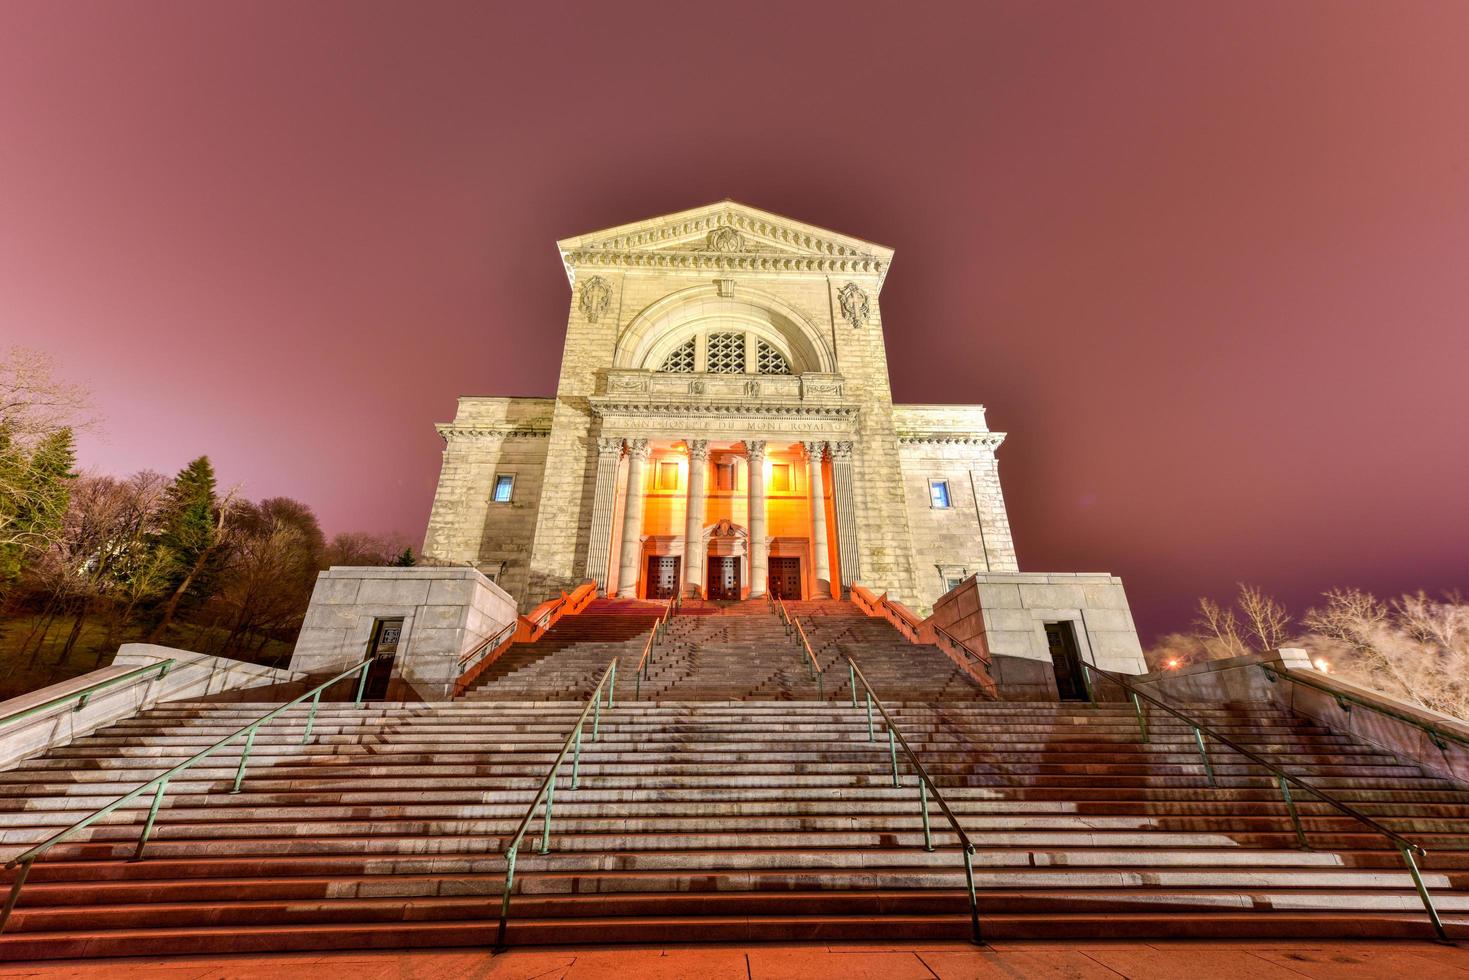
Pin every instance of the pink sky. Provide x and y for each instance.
(1207, 264)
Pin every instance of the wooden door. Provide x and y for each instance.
(1065, 661)
(385, 636)
(785, 578)
(662, 576)
(724, 578)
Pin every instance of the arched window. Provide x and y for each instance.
(726, 352)
(680, 360)
(768, 360)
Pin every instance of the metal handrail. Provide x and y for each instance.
(547, 789)
(926, 785)
(81, 696)
(159, 783)
(645, 662)
(813, 666)
(966, 648)
(485, 646)
(1345, 700)
(1283, 780)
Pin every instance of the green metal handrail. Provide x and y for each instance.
(1345, 700)
(159, 783)
(81, 697)
(645, 662)
(813, 666)
(547, 788)
(925, 786)
(1283, 780)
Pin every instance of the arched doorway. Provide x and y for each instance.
(726, 557)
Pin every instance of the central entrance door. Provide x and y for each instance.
(1065, 661)
(724, 578)
(785, 578)
(662, 576)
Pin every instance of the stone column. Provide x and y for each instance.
(632, 519)
(609, 455)
(845, 501)
(693, 536)
(759, 546)
(819, 553)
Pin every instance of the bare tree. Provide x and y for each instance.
(1218, 625)
(1265, 620)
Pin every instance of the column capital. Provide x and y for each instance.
(609, 446)
(814, 450)
(698, 449)
(755, 450)
(840, 451)
(639, 448)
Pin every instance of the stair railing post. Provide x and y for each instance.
(973, 898)
(244, 758)
(611, 684)
(505, 901)
(1427, 899)
(1086, 683)
(362, 682)
(1295, 817)
(852, 681)
(871, 735)
(1204, 755)
(15, 887)
(1142, 719)
(311, 718)
(576, 760)
(923, 806)
(152, 819)
(893, 752)
(546, 821)
(596, 717)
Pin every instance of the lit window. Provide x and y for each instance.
(780, 477)
(504, 486)
(667, 476)
(724, 476)
(938, 493)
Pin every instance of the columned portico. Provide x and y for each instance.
(694, 521)
(821, 563)
(609, 458)
(632, 519)
(759, 543)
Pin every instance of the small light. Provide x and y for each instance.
(1322, 664)
(1171, 665)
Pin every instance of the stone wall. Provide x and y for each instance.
(952, 443)
(490, 437)
(445, 612)
(1005, 614)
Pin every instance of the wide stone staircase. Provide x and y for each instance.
(699, 816)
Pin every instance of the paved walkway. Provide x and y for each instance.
(947, 961)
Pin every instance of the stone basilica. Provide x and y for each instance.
(723, 426)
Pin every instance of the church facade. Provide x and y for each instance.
(723, 426)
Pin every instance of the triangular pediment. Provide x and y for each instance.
(726, 234)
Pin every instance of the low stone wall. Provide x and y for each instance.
(1005, 615)
(193, 675)
(445, 612)
(1241, 679)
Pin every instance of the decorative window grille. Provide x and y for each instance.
(681, 359)
(726, 353)
(768, 360)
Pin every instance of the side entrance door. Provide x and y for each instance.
(1065, 661)
(662, 576)
(385, 636)
(785, 578)
(724, 578)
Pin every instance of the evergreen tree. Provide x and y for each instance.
(37, 488)
(404, 560)
(190, 538)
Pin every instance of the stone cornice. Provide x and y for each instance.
(772, 262)
(452, 433)
(618, 406)
(986, 440)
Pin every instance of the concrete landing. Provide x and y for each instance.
(946, 961)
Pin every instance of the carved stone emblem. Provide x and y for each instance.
(696, 387)
(854, 304)
(596, 298)
(752, 389)
(726, 239)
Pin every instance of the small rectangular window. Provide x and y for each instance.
(504, 487)
(780, 477)
(938, 493)
(724, 476)
(667, 476)
(953, 583)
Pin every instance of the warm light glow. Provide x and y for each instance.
(1322, 664)
(1172, 664)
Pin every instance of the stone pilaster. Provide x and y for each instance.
(815, 452)
(693, 542)
(638, 452)
(846, 511)
(609, 457)
(759, 543)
